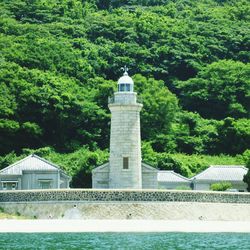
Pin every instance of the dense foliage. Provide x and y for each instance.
(60, 61)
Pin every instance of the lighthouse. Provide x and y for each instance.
(125, 169)
(125, 137)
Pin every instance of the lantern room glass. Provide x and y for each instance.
(125, 87)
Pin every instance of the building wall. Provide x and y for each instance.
(149, 177)
(64, 182)
(206, 186)
(240, 186)
(100, 176)
(201, 186)
(149, 180)
(31, 179)
(173, 185)
(100, 180)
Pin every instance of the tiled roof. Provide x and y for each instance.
(222, 173)
(102, 168)
(32, 162)
(171, 176)
(148, 168)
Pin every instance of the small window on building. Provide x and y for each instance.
(103, 182)
(13, 186)
(125, 162)
(9, 185)
(45, 184)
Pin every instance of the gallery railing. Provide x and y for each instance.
(111, 99)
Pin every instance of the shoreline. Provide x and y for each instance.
(144, 226)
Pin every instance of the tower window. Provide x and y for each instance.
(125, 162)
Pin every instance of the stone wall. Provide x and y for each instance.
(91, 195)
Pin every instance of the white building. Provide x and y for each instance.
(221, 173)
(33, 172)
(125, 168)
(171, 180)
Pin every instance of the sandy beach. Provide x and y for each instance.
(32, 226)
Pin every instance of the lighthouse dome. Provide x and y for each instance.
(125, 79)
(125, 83)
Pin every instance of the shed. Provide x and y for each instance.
(33, 172)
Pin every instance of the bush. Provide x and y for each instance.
(220, 186)
(246, 178)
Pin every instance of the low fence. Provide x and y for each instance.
(93, 195)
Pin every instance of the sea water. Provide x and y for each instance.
(135, 241)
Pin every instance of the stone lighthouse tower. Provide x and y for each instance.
(125, 139)
(125, 169)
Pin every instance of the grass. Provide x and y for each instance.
(4, 215)
(11, 216)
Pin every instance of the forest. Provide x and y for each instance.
(60, 61)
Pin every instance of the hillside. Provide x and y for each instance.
(60, 61)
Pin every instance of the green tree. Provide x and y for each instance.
(219, 90)
(233, 135)
(159, 106)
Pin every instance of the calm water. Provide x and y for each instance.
(150, 241)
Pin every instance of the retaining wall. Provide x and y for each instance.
(92, 195)
(130, 210)
(127, 204)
